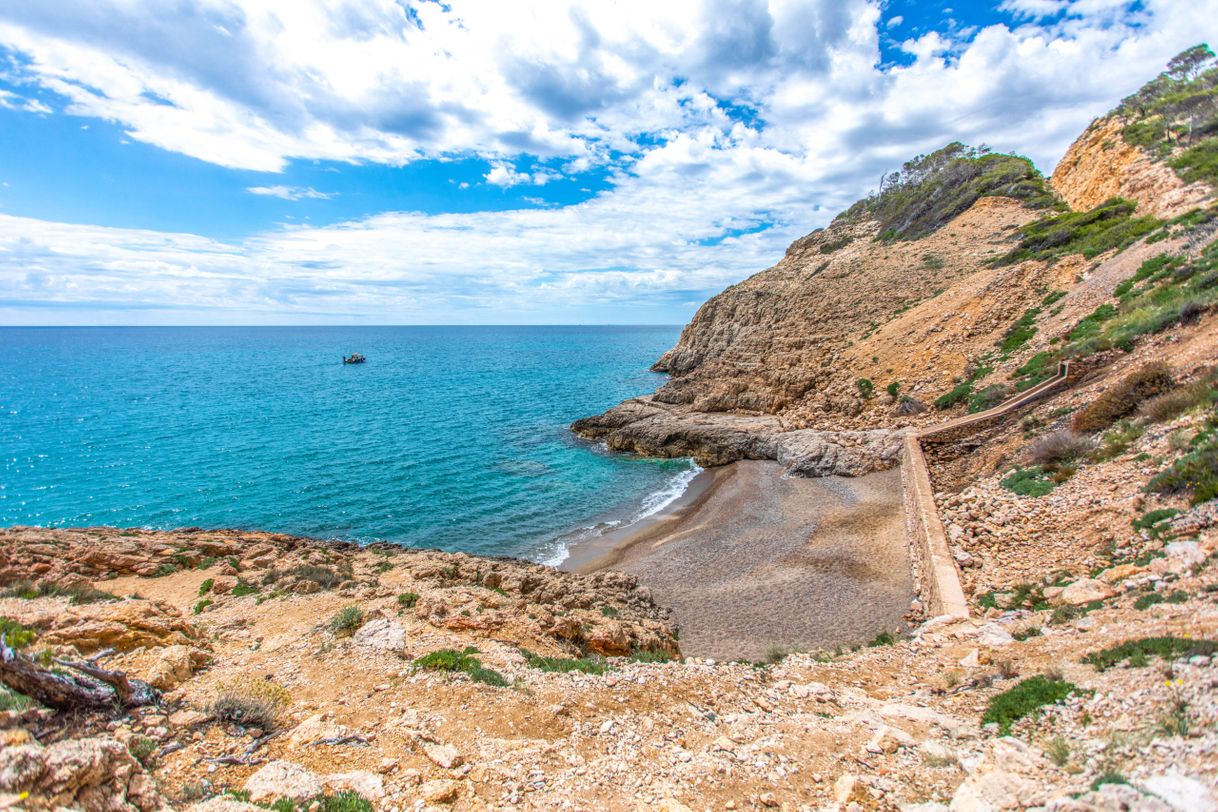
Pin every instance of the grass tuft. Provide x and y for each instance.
(1025, 700)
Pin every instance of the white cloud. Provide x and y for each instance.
(649, 93)
(290, 192)
(502, 174)
(12, 101)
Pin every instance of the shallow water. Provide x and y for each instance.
(450, 437)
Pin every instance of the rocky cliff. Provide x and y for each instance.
(911, 295)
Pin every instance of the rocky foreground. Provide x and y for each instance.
(284, 683)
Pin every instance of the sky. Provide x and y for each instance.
(483, 162)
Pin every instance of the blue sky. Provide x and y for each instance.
(373, 161)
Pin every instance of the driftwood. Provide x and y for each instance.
(90, 688)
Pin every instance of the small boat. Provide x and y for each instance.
(354, 358)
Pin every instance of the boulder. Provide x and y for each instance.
(382, 635)
(283, 779)
(225, 803)
(1086, 590)
(1178, 558)
(440, 791)
(92, 775)
(174, 665)
(1004, 778)
(444, 755)
(993, 636)
(315, 728)
(366, 784)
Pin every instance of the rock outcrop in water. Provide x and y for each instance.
(647, 426)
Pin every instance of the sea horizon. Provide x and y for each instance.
(163, 427)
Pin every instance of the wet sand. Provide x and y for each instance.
(755, 560)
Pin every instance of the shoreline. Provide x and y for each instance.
(755, 560)
(602, 552)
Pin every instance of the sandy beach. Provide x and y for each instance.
(751, 559)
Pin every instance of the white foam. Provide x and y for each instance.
(652, 504)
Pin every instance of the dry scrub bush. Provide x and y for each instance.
(251, 702)
(1178, 401)
(1124, 397)
(1060, 447)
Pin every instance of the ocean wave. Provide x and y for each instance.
(554, 555)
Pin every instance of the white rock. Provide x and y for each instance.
(315, 728)
(381, 635)
(1179, 557)
(1183, 793)
(283, 779)
(993, 635)
(369, 785)
(440, 791)
(1086, 590)
(444, 755)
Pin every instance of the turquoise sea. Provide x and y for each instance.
(449, 437)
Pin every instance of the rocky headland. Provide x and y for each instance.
(253, 670)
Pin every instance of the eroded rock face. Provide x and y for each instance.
(1100, 165)
(123, 626)
(646, 427)
(93, 775)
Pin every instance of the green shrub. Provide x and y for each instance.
(962, 390)
(1124, 397)
(650, 656)
(346, 621)
(1139, 651)
(1150, 599)
(866, 388)
(77, 594)
(833, 245)
(1108, 777)
(407, 600)
(202, 605)
(932, 189)
(1198, 162)
(16, 635)
(584, 665)
(893, 389)
(142, 749)
(1110, 225)
(447, 659)
(1154, 522)
(1027, 634)
(11, 700)
(206, 586)
(1020, 332)
(244, 588)
(1194, 474)
(346, 801)
(1025, 700)
(987, 398)
(882, 639)
(1117, 440)
(1033, 481)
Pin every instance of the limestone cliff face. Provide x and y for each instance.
(851, 330)
(1101, 165)
(774, 343)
